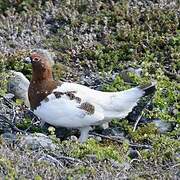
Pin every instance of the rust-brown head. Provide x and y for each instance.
(41, 65)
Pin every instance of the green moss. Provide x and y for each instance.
(117, 85)
(92, 147)
(7, 166)
(26, 123)
(164, 150)
(37, 177)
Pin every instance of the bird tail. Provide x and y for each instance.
(123, 102)
(149, 88)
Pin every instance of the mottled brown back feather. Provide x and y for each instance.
(89, 108)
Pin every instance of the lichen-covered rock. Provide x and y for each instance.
(18, 85)
(9, 137)
(37, 141)
(163, 126)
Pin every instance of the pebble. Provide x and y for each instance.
(92, 157)
(125, 166)
(73, 138)
(98, 138)
(115, 131)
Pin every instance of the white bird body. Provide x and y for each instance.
(73, 105)
(66, 112)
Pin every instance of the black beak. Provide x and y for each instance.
(28, 60)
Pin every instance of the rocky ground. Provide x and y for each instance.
(106, 45)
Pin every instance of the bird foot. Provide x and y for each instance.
(84, 134)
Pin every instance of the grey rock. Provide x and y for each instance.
(9, 96)
(163, 126)
(125, 166)
(125, 76)
(18, 85)
(137, 71)
(98, 138)
(115, 164)
(92, 157)
(116, 131)
(9, 137)
(37, 141)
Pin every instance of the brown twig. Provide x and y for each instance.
(121, 141)
(66, 158)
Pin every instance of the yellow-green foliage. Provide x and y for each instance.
(6, 165)
(92, 147)
(164, 149)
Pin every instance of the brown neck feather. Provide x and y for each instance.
(41, 85)
(42, 75)
(39, 90)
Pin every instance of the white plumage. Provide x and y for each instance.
(66, 112)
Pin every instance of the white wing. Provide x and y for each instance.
(68, 110)
(114, 104)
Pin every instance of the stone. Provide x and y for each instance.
(9, 137)
(18, 85)
(137, 71)
(125, 166)
(163, 126)
(115, 164)
(116, 131)
(9, 96)
(37, 141)
(125, 76)
(92, 157)
(98, 138)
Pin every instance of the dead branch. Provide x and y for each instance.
(133, 145)
(141, 114)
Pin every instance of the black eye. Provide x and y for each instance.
(36, 59)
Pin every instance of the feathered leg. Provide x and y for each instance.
(84, 133)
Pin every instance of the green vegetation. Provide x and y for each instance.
(92, 147)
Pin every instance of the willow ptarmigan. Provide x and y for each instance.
(72, 105)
